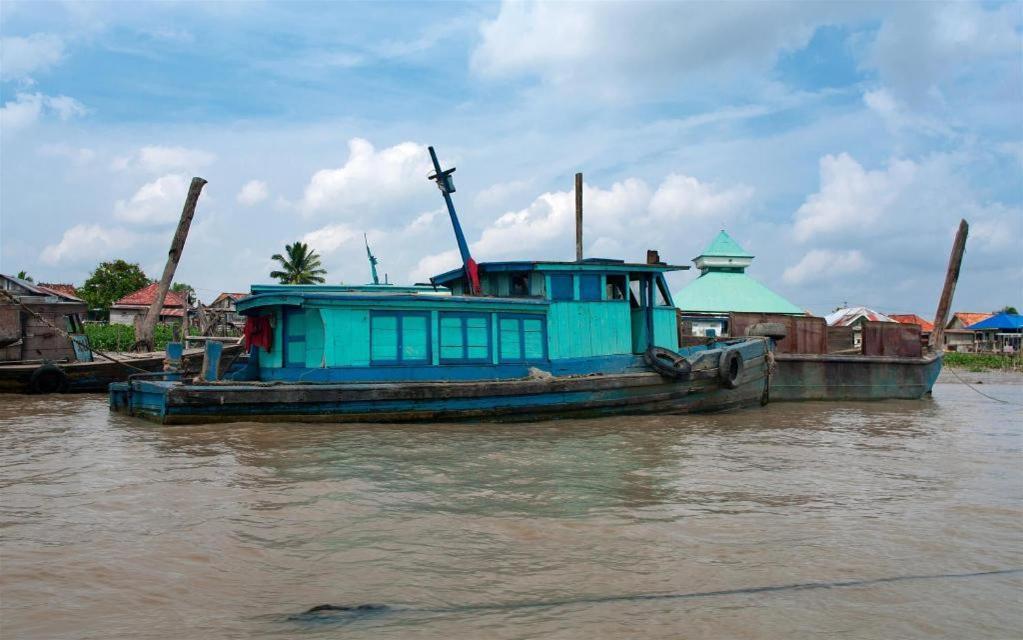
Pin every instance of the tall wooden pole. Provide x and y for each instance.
(144, 340)
(951, 277)
(578, 217)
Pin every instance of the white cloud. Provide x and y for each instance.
(27, 108)
(155, 202)
(329, 238)
(682, 196)
(77, 155)
(611, 47)
(22, 56)
(825, 264)
(254, 192)
(369, 180)
(160, 159)
(88, 242)
(850, 197)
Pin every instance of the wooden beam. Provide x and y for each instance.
(144, 339)
(578, 217)
(955, 261)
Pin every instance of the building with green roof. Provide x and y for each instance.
(724, 287)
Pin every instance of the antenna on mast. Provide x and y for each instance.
(372, 260)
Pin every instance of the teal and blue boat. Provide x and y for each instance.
(517, 340)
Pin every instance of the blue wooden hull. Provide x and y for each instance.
(601, 393)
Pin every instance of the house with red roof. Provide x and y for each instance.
(957, 336)
(137, 303)
(911, 318)
(66, 291)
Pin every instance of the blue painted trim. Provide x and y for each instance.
(562, 287)
(398, 301)
(590, 287)
(400, 360)
(585, 265)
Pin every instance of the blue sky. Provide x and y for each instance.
(838, 142)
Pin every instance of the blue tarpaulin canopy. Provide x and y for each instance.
(999, 321)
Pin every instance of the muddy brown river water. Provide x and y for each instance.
(891, 519)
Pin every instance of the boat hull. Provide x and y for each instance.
(497, 400)
(852, 377)
(96, 376)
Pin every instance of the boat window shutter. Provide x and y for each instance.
(522, 338)
(451, 345)
(533, 338)
(464, 338)
(562, 286)
(384, 337)
(589, 287)
(415, 338)
(511, 344)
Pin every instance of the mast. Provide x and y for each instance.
(372, 260)
(447, 187)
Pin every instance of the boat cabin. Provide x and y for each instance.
(35, 322)
(589, 316)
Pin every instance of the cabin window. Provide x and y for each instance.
(464, 337)
(616, 287)
(522, 338)
(662, 298)
(589, 287)
(562, 287)
(519, 284)
(399, 337)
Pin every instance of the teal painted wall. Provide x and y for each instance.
(346, 337)
(582, 329)
(666, 328)
(313, 338)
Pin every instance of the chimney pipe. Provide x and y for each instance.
(578, 217)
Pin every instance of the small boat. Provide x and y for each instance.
(517, 340)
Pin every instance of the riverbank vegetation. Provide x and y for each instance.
(984, 361)
(121, 337)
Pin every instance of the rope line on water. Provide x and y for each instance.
(981, 392)
(336, 613)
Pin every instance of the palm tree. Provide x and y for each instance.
(302, 266)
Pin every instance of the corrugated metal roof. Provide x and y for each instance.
(849, 315)
(967, 318)
(721, 292)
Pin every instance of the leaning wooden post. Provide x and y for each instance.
(951, 277)
(144, 339)
(578, 217)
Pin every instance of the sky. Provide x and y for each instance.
(840, 143)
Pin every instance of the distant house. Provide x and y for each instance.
(724, 287)
(35, 322)
(224, 305)
(855, 317)
(1001, 333)
(65, 291)
(911, 318)
(137, 303)
(957, 335)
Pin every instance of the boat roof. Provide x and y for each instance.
(589, 264)
(385, 289)
(282, 296)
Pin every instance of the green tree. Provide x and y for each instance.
(1008, 309)
(110, 281)
(23, 275)
(302, 266)
(186, 291)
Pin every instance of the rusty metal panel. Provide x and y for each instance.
(805, 334)
(891, 339)
(840, 339)
(10, 325)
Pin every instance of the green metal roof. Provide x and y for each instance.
(721, 292)
(723, 246)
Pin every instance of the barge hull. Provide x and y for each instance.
(853, 377)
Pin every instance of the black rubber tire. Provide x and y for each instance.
(49, 378)
(730, 368)
(667, 363)
(774, 330)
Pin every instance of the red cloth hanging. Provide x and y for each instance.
(472, 269)
(258, 332)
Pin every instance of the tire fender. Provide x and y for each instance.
(730, 368)
(48, 378)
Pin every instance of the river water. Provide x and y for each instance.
(897, 519)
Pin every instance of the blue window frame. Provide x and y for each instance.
(399, 337)
(464, 338)
(521, 337)
(589, 287)
(294, 337)
(562, 287)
